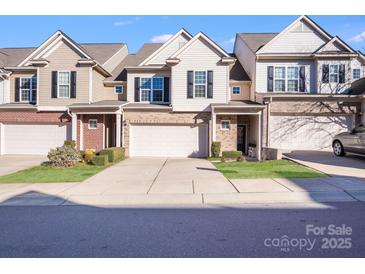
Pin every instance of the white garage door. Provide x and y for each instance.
(34, 138)
(169, 141)
(306, 132)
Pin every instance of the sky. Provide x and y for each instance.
(31, 31)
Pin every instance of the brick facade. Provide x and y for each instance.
(92, 138)
(160, 117)
(34, 117)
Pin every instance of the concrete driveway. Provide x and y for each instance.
(13, 163)
(327, 162)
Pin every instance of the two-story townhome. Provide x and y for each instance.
(37, 86)
(302, 76)
(170, 99)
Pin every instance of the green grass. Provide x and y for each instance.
(41, 174)
(266, 169)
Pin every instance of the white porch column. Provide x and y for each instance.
(214, 125)
(81, 133)
(363, 111)
(118, 129)
(259, 145)
(2, 141)
(74, 126)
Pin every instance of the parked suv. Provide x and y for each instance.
(353, 141)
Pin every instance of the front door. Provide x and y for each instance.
(241, 138)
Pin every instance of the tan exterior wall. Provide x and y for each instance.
(100, 92)
(12, 82)
(245, 91)
(63, 58)
(159, 117)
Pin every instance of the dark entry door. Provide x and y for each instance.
(241, 138)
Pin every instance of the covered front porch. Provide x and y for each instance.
(98, 125)
(238, 126)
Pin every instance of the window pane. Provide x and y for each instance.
(25, 83)
(280, 72)
(356, 74)
(334, 78)
(157, 95)
(293, 72)
(24, 95)
(333, 68)
(200, 91)
(236, 90)
(279, 85)
(64, 78)
(157, 83)
(200, 77)
(118, 89)
(146, 83)
(145, 95)
(63, 91)
(225, 125)
(292, 85)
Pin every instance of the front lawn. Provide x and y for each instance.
(266, 169)
(42, 174)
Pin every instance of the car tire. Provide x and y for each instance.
(338, 149)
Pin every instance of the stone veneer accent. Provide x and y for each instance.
(160, 117)
(228, 138)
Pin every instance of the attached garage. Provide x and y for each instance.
(169, 140)
(307, 132)
(35, 139)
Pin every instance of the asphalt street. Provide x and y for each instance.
(334, 230)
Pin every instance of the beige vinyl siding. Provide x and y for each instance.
(261, 73)
(63, 57)
(199, 56)
(100, 92)
(247, 59)
(245, 91)
(114, 61)
(175, 45)
(12, 82)
(296, 40)
(152, 73)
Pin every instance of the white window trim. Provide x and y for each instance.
(229, 125)
(353, 78)
(336, 73)
(206, 84)
(151, 89)
(115, 89)
(92, 120)
(69, 84)
(286, 79)
(30, 89)
(239, 88)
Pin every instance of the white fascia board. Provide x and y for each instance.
(51, 108)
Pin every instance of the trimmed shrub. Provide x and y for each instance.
(216, 149)
(89, 155)
(65, 156)
(231, 155)
(114, 154)
(69, 143)
(100, 160)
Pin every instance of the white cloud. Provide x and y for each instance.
(230, 41)
(358, 38)
(161, 38)
(126, 22)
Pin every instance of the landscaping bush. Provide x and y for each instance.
(114, 154)
(216, 149)
(69, 143)
(100, 160)
(65, 156)
(89, 155)
(231, 155)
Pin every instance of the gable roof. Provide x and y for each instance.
(334, 40)
(120, 74)
(10, 57)
(166, 44)
(257, 40)
(307, 20)
(237, 72)
(204, 37)
(102, 52)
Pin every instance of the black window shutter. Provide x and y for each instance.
(73, 84)
(34, 90)
(17, 89)
(302, 79)
(190, 84)
(341, 74)
(325, 73)
(136, 89)
(270, 78)
(210, 84)
(166, 91)
(54, 84)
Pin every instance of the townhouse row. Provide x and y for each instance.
(289, 90)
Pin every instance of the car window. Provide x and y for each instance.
(360, 129)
